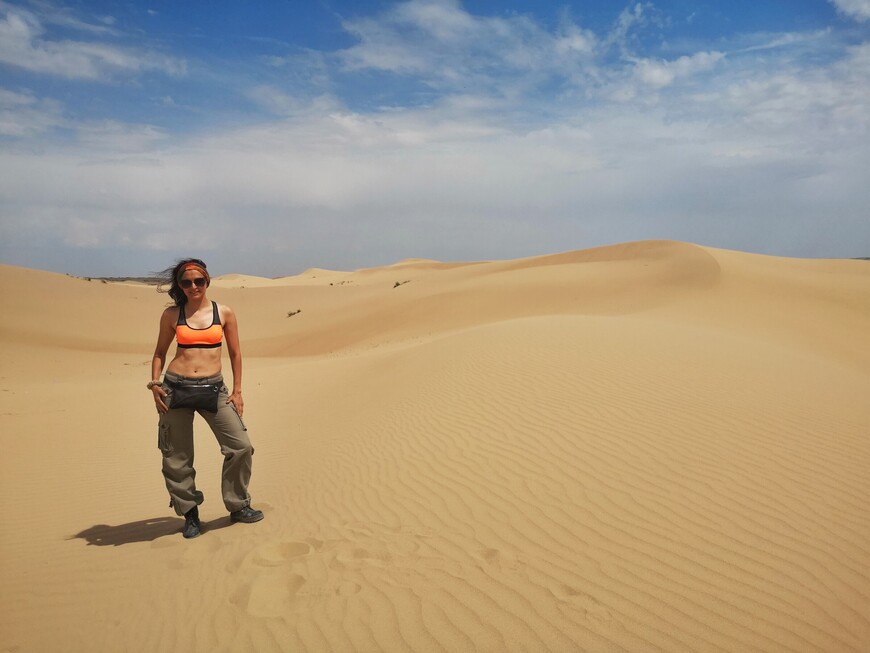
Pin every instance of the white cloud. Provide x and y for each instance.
(444, 46)
(575, 40)
(659, 74)
(857, 9)
(788, 40)
(117, 137)
(820, 107)
(444, 20)
(630, 19)
(23, 114)
(274, 99)
(24, 44)
(281, 103)
(52, 13)
(448, 48)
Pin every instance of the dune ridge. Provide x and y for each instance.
(653, 446)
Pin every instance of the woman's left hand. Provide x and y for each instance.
(236, 400)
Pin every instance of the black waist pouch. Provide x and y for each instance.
(202, 396)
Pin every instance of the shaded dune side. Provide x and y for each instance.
(812, 305)
(568, 483)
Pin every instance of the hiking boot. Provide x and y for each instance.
(191, 523)
(246, 515)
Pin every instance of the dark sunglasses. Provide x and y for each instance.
(187, 283)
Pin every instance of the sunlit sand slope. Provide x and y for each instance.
(647, 447)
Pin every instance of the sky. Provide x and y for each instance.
(270, 137)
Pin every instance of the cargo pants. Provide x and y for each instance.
(175, 440)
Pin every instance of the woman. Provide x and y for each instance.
(193, 383)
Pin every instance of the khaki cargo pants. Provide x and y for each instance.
(175, 439)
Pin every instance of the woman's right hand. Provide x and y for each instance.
(159, 396)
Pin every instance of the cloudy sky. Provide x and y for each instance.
(268, 137)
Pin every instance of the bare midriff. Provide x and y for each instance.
(196, 362)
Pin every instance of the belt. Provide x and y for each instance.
(172, 377)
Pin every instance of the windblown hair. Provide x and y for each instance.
(169, 277)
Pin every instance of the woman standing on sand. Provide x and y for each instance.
(193, 383)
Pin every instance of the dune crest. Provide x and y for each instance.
(647, 446)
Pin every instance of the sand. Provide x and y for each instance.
(652, 446)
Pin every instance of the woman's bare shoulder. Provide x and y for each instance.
(169, 313)
(225, 312)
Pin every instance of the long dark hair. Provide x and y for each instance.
(169, 277)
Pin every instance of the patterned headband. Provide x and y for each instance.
(194, 266)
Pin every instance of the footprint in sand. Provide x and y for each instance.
(270, 595)
(592, 609)
(276, 554)
(357, 558)
(503, 560)
(285, 580)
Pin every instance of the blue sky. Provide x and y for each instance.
(268, 137)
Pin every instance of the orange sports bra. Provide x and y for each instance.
(207, 338)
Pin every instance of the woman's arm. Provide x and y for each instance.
(231, 333)
(164, 339)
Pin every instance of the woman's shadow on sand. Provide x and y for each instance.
(144, 530)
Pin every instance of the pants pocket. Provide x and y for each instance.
(241, 422)
(224, 395)
(164, 439)
(168, 398)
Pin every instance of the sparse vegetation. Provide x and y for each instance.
(151, 281)
(399, 283)
(292, 313)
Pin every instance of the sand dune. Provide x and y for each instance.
(652, 446)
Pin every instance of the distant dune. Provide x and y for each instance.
(652, 446)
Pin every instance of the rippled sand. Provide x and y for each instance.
(646, 447)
